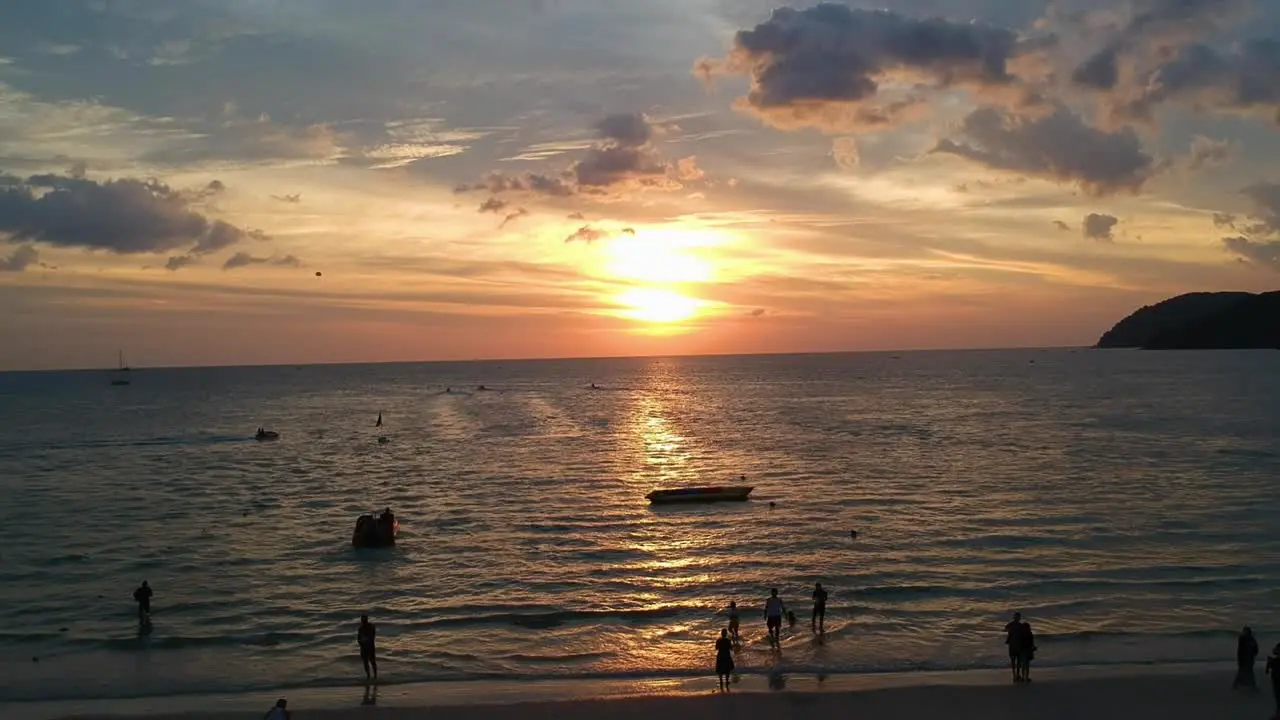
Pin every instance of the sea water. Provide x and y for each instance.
(1125, 502)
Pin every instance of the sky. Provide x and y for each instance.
(216, 182)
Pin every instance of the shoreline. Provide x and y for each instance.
(559, 697)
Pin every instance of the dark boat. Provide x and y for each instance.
(700, 494)
(263, 435)
(375, 532)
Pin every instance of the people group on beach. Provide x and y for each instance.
(1022, 647)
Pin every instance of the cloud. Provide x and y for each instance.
(1205, 152)
(20, 259)
(243, 259)
(1264, 254)
(623, 157)
(1099, 227)
(295, 198)
(586, 234)
(512, 217)
(177, 262)
(1061, 225)
(492, 205)
(844, 150)
(1256, 242)
(1266, 200)
(1156, 30)
(1242, 80)
(1059, 146)
(828, 66)
(757, 312)
(123, 216)
(576, 216)
(255, 141)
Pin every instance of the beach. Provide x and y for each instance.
(1168, 694)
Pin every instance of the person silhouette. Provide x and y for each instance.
(724, 659)
(1273, 669)
(1246, 654)
(366, 637)
(143, 597)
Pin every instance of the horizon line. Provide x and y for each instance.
(137, 368)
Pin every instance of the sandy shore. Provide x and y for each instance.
(1166, 695)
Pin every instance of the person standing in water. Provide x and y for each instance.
(734, 621)
(819, 615)
(143, 597)
(724, 659)
(774, 609)
(1246, 654)
(366, 636)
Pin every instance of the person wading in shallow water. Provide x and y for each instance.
(773, 612)
(143, 596)
(366, 636)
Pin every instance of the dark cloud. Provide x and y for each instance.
(757, 312)
(534, 183)
(825, 66)
(492, 205)
(20, 259)
(1059, 146)
(628, 129)
(1099, 227)
(1155, 30)
(1262, 253)
(122, 216)
(243, 259)
(293, 199)
(623, 157)
(221, 235)
(1242, 80)
(1061, 225)
(1266, 201)
(1256, 242)
(576, 216)
(586, 234)
(628, 231)
(177, 262)
(512, 217)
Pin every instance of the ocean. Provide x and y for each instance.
(1125, 502)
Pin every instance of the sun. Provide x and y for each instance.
(655, 260)
(657, 306)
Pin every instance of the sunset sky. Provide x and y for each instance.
(287, 181)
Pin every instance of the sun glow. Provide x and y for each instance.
(652, 259)
(657, 306)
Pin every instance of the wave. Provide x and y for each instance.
(554, 618)
(163, 441)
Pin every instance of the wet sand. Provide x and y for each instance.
(1166, 696)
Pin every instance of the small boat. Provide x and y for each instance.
(375, 531)
(263, 435)
(120, 380)
(700, 494)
